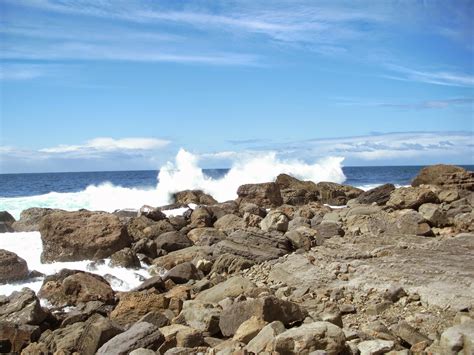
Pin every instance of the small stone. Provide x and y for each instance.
(375, 347)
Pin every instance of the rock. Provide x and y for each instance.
(434, 215)
(184, 272)
(275, 221)
(202, 316)
(140, 335)
(232, 287)
(251, 220)
(125, 258)
(126, 214)
(298, 222)
(134, 305)
(22, 307)
(229, 222)
(249, 329)
(70, 287)
(172, 241)
(254, 245)
(375, 347)
(142, 351)
(394, 293)
(329, 229)
(265, 337)
(411, 197)
(446, 176)
(302, 237)
(156, 318)
(145, 228)
(30, 219)
(12, 267)
(201, 217)
(449, 195)
(296, 192)
(193, 196)
(229, 264)
(205, 236)
(189, 338)
(180, 256)
(15, 337)
(409, 334)
(311, 337)
(464, 222)
(253, 209)
(6, 221)
(81, 235)
(361, 210)
(268, 309)
(379, 195)
(155, 282)
(265, 195)
(154, 214)
(458, 339)
(80, 337)
(336, 194)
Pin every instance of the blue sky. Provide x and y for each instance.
(119, 85)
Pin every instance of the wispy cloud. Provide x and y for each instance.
(107, 144)
(13, 71)
(418, 105)
(438, 77)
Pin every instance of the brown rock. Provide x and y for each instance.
(125, 258)
(15, 337)
(229, 223)
(30, 219)
(12, 267)
(134, 305)
(411, 197)
(264, 195)
(445, 176)
(184, 272)
(22, 307)
(380, 195)
(172, 241)
(82, 235)
(337, 194)
(193, 196)
(205, 236)
(70, 287)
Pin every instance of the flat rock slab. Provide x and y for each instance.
(440, 270)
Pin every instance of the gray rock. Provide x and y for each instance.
(375, 347)
(411, 197)
(265, 195)
(172, 241)
(230, 263)
(329, 229)
(232, 287)
(311, 337)
(184, 272)
(154, 214)
(206, 236)
(229, 222)
(201, 316)
(268, 309)
(22, 307)
(275, 221)
(140, 335)
(125, 258)
(409, 334)
(265, 337)
(380, 195)
(458, 339)
(435, 216)
(30, 219)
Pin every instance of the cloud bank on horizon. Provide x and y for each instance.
(113, 85)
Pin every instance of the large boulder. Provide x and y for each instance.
(379, 195)
(445, 176)
(12, 267)
(254, 245)
(265, 337)
(434, 214)
(411, 197)
(22, 307)
(81, 337)
(335, 194)
(296, 192)
(230, 263)
(193, 196)
(81, 235)
(310, 338)
(229, 223)
(6, 221)
(70, 287)
(268, 309)
(172, 241)
(140, 335)
(134, 305)
(264, 195)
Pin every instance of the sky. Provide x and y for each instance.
(91, 85)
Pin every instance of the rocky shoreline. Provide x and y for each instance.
(280, 270)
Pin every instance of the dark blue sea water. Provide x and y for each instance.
(16, 185)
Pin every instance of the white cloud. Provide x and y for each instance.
(438, 77)
(106, 144)
(21, 71)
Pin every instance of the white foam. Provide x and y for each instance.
(184, 173)
(28, 246)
